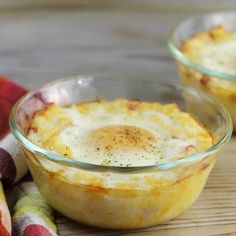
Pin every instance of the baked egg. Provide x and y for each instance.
(214, 49)
(119, 133)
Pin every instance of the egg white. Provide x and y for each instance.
(220, 56)
(77, 135)
(111, 134)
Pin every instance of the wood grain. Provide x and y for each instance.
(131, 5)
(42, 40)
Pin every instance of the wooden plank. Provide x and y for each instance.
(131, 5)
(37, 46)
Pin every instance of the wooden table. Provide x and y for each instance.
(45, 39)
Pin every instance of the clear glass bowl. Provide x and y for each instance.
(120, 197)
(222, 86)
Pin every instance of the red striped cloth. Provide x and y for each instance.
(28, 219)
(9, 93)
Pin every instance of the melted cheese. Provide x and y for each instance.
(220, 56)
(214, 49)
(119, 133)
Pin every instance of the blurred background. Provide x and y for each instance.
(41, 40)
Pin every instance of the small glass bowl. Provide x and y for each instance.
(120, 197)
(220, 85)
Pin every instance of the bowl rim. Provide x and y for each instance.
(52, 156)
(181, 57)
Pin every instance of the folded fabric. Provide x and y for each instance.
(31, 215)
(5, 219)
(12, 163)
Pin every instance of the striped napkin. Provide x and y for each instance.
(30, 214)
(12, 164)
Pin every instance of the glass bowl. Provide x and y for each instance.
(220, 85)
(120, 197)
